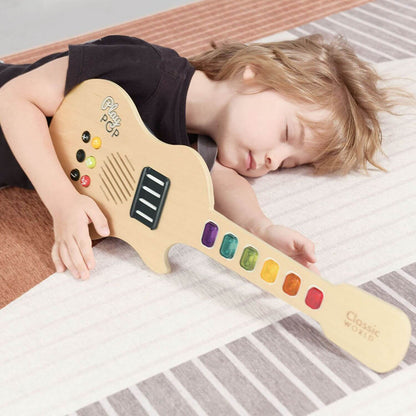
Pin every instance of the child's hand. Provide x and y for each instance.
(73, 246)
(291, 243)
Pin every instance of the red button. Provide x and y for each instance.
(314, 298)
(85, 181)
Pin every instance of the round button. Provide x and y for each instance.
(86, 136)
(96, 143)
(85, 181)
(80, 155)
(74, 175)
(90, 162)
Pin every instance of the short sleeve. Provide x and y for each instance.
(130, 62)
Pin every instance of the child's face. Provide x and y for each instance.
(261, 132)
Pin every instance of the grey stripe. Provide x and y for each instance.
(125, 404)
(271, 377)
(202, 390)
(360, 49)
(395, 6)
(401, 285)
(94, 409)
(387, 39)
(401, 32)
(410, 357)
(411, 269)
(237, 384)
(375, 290)
(300, 366)
(332, 356)
(403, 20)
(164, 397)
(361, 38)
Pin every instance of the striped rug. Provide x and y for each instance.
(25, 224)
(286, 368)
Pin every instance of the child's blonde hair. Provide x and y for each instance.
(323, 74)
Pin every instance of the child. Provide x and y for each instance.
(265, 106)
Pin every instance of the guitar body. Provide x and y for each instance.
(155, 195)
(106, 112)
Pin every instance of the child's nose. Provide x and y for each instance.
(271, 162)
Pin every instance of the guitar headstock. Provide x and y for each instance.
(370, 329)
(148, 190)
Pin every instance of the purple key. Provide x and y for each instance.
(210, 234)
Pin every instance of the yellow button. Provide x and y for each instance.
(90, 162)
(269, 271)
(96, 142)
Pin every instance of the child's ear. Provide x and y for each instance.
(249, 73)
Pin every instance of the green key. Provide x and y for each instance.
(249, 258)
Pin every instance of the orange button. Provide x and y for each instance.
(291, 284)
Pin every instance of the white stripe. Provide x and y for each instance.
(398, 37)
(151, 191)
(144, 201)
(220, 388)
(107, 407)
(378, 6)
(353, 29)
(397, 297)
(373, 249)
(394, 295)
(392, 22)
(301, 30)
(292, 377)
(351, 42)
(407, 276)
(255, 381)
(405, 6)
(185, 393)
(154, 179)
(144, 215)
(312, 358)
(142, 399)
(357, 278)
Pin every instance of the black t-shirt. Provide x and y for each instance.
(156, 78)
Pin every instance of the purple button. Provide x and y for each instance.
(210, 234)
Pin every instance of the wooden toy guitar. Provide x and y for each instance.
(156, 195)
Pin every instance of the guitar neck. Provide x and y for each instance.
(371, 330)
(263, 265)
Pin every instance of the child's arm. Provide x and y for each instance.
(235, 198)
(24, 103)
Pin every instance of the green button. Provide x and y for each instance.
(90, 162)
(249, 258)
(229, 246)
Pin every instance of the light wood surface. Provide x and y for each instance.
(371, 330)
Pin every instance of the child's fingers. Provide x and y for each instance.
(66, 258)
(68, 251)
(85, 246)
(98, 219)
(313, 268)
(306, 248)
(77, 260)
(56, 258)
